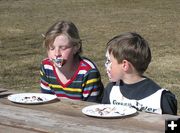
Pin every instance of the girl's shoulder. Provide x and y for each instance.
(46, 64)
(46, 61)
(86, 62)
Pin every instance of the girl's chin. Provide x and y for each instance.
(59, 62)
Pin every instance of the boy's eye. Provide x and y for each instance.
(107, 62)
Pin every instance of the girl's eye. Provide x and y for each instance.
(51, 48)
(63, 47)
(60, 47)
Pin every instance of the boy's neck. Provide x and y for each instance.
(132, 78)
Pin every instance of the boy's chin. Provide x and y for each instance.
(112, 80)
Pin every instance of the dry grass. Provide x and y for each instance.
(23, 21)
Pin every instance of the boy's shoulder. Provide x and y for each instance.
(168, 93)
(149, 84)
(110, 85)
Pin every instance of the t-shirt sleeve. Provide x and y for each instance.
(107, 90)
(168, 103)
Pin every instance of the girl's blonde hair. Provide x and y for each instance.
(66, 28)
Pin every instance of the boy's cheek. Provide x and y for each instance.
(108, 73)
(108, 67)
(110, 76)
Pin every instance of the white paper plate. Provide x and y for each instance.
(31, 98)
(108, 110)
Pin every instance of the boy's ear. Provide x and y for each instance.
(125, 65)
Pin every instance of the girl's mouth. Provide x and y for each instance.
(59, 62)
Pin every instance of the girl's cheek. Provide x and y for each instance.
(50, 55)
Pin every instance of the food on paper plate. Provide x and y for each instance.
(31, 99)
(108, 110)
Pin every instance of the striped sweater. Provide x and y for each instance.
(85, 85)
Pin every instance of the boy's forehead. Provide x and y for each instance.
(107, 55)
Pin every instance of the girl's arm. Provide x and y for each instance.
(92, 86)
(44, 83)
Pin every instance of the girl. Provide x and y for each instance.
(65, 73)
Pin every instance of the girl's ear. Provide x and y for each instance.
(76, 48)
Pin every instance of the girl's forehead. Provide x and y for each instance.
(62, 38)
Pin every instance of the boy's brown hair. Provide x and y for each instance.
(132, 47)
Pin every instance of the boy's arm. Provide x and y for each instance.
(168, 103)
(107, 90)
(92, 86)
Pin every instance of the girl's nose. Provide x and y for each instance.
(57, 52)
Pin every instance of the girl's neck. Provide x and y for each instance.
(70, 68)
(66, 72)
(71, 65)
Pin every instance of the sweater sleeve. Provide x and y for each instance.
(92, 86)
(168, 103)
(44, 82)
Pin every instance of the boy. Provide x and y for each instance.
(128, 56)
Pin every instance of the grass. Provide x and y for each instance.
(23, 21)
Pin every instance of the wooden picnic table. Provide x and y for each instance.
(65, 116)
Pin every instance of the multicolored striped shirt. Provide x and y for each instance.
(85, 85)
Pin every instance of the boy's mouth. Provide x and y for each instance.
(109, 75)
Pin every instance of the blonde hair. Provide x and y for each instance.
(66, 28)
